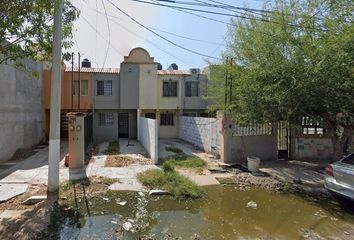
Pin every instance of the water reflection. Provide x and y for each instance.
(222, 214)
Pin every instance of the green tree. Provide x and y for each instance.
(295, 60)
(26, 28)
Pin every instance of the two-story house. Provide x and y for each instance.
(116, 97)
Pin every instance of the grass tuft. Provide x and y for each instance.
(186, 161)
(113, 148)
(173, 149)
(168, 179)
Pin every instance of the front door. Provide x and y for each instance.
(123, 125)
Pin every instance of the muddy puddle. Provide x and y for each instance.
(224, 213)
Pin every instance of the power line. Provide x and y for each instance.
(98, 33)
(222, 14)
(109, 34)
(160, 36)
(160, 30)
(148, 41)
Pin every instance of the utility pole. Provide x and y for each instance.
(226, 83)
(55, 99)
(79, 80)
(72, 81)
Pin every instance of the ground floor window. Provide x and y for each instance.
(189, 114)
(150, 115)
(105, 119)
(166, 119)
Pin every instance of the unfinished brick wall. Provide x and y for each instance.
(201, 132)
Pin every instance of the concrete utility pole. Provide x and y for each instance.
(55, 99)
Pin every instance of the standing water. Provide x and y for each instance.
(224, 213)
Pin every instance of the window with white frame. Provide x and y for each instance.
(169, 88)
(105, 119)
(192, 89)
(83, 86)
(167, 119)
(104, 88)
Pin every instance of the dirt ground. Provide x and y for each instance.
(124, 161)
(246, 180)
(16, 203)
(36, 218)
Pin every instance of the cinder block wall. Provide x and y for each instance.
(308, 148)
(201, 132)
(20, 107)
(148, 136)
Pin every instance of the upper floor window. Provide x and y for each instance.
(83, 86)
(169, 88)
(104, 88)
(192, 89)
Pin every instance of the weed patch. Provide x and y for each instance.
(186, 161)
(113, 148)
(169, 180)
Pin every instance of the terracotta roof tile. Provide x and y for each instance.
(93, 70)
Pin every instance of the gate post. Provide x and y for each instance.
(226, 131)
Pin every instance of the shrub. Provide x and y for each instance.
(153, 178)
(168, 166)
(113, 148)
(169, 180)
(186, 161)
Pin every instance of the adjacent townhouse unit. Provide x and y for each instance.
(117, 97)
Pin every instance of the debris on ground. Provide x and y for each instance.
(252, 204)
(121, 203)
(125, 160)
(127, 226)
(34, 199)
(245, 181)
(11, 190)
(158, 192)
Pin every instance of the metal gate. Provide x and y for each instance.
(123, 125)
(283, 139)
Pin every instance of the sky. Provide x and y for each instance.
(106, 39)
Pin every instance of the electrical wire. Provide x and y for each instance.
(160, 30)
(99, 34)
(160, 36)
(109, 34)
(223, 14)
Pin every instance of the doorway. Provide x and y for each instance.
(123, 125)
(283, 139)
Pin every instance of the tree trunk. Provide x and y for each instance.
(341, 143)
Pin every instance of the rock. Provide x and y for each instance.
(105, 199)
(252, 204)
(114, 222)
(141, 194)
(158, 192)
(121, 203)
(127, 226)
(34, 199)
(196, 237)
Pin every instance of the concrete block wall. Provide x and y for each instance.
(148, 136)
(202, 132)
(20, 107)
(308, 148)
(262, 146)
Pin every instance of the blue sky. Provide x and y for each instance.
(105, 44)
